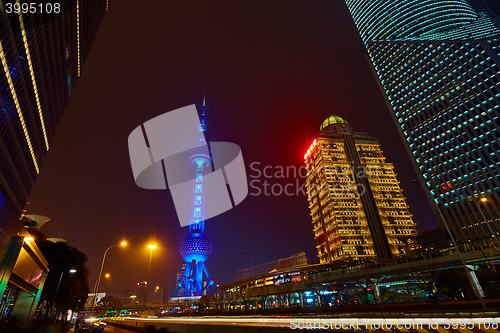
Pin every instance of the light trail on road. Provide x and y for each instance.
(490, 324)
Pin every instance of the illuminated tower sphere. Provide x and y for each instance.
(438, 64)
(196, 247)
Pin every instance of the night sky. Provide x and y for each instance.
(272, 70)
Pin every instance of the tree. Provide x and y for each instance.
(109, 301)
(203, 304)
(73, 288)
(284, 285)
(244, 295)
(317, 284)
(263, 294)
(426, 272)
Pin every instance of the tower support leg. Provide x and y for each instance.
(210, 281)
(184, 281)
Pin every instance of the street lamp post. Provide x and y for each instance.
(58, 285)
(254, 282)
(161, 293)
(151, 247)
(96, 286)
(486, 221)
(467, 272)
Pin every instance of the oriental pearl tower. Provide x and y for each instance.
(196, 247)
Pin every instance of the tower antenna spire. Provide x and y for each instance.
(203, 126)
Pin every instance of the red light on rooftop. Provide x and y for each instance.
(310, 149)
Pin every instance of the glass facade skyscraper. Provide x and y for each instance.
(438, 63)
(42, 55)
(492, 8)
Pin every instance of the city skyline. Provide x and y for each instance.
(267, 100)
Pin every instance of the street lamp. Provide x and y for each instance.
(96, 286)
(151, 247)
(254, 282)
(59, 284)
(485, 220)
(161, 293)
(467, 272)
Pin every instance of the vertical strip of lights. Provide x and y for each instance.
(78, 33)
(18, 107)
(35, 89)
(107, 2)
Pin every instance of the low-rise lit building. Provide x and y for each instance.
(403, 280)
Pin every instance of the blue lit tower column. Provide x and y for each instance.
(438, 63)
(196, 247)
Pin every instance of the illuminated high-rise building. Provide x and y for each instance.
(492, 8)
(357, 207)
(42, 56)
(196, 247)
(438, 63)
(178, 278)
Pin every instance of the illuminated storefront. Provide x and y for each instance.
(22, 276)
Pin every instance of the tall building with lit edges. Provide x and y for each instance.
(42, 56)
(196, 247)
(492, 8)
(438, 63)
(357, 207)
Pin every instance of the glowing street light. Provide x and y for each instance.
(59, 284)
(161, 293)
(483, 199)
(96, 286)
(151, 247)
(107, 275)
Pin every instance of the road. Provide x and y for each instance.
(114, 329)
(277, 324)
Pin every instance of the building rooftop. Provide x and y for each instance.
(333, 120)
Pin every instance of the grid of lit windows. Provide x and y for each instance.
(443, 84)
(39, 58)
(339, 220)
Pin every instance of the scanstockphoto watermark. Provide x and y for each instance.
(291, 180)
(396, 324)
